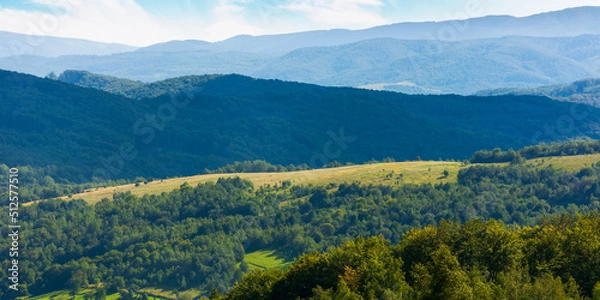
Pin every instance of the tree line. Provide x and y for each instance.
(557, 259)
(197, 237)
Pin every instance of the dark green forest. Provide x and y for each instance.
(88, 135)
(196, 237)
(583, 91)
(476, 260)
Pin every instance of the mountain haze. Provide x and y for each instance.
(400, 65)
(564, 23)
(15, 44)
(460, 57)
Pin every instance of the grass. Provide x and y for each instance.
(395, 173)
(153, 294)
(567, 163)
(168, 294)
(382, 173)
(64, 295)
(266, 259)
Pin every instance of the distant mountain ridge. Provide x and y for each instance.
(16, 44)
(399, 65)
(459, 57)
(564, 23)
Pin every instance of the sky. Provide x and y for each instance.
(145, 22)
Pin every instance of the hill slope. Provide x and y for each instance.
(583, 91)
(89, 133)
(392, 174)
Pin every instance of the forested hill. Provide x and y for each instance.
(583, 91)
(89, 134)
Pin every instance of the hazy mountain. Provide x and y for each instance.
(143, 65)
(459, 67)
(568, 22)
(180, 46)
(407, 59)
(564, 23)
(408, 66)
(86, 132)
(12, 44)
(583, 91)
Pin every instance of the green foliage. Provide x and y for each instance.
(596, 292)
(101, 82)
(373, 269)
(578, 147)
(198, 236)
(256, 166)
(185, 125)
(583, 91)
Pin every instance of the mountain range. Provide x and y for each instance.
(460, 57)
(15, 44)
(88, 134)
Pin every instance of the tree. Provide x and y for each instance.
(77, 282)
(100, 293)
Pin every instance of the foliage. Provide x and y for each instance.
(570, 148)
(256, 166)
(585, 91)
(90, 135)
(507, 268)
(197, 237)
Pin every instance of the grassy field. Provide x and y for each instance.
(64, 295)
(384, 173)
(265, 259)
(153, 294)
(166, 294)
(395, 173)
(567, 163)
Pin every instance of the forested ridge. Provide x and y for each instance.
(189, 124)
(197, 237)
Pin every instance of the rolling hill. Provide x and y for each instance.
(392, 174)
(583, 91)
(89, 134)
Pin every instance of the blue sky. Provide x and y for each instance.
(144, 22)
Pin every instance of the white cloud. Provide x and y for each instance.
(229, 20)
(121, 21)
(340, 13)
